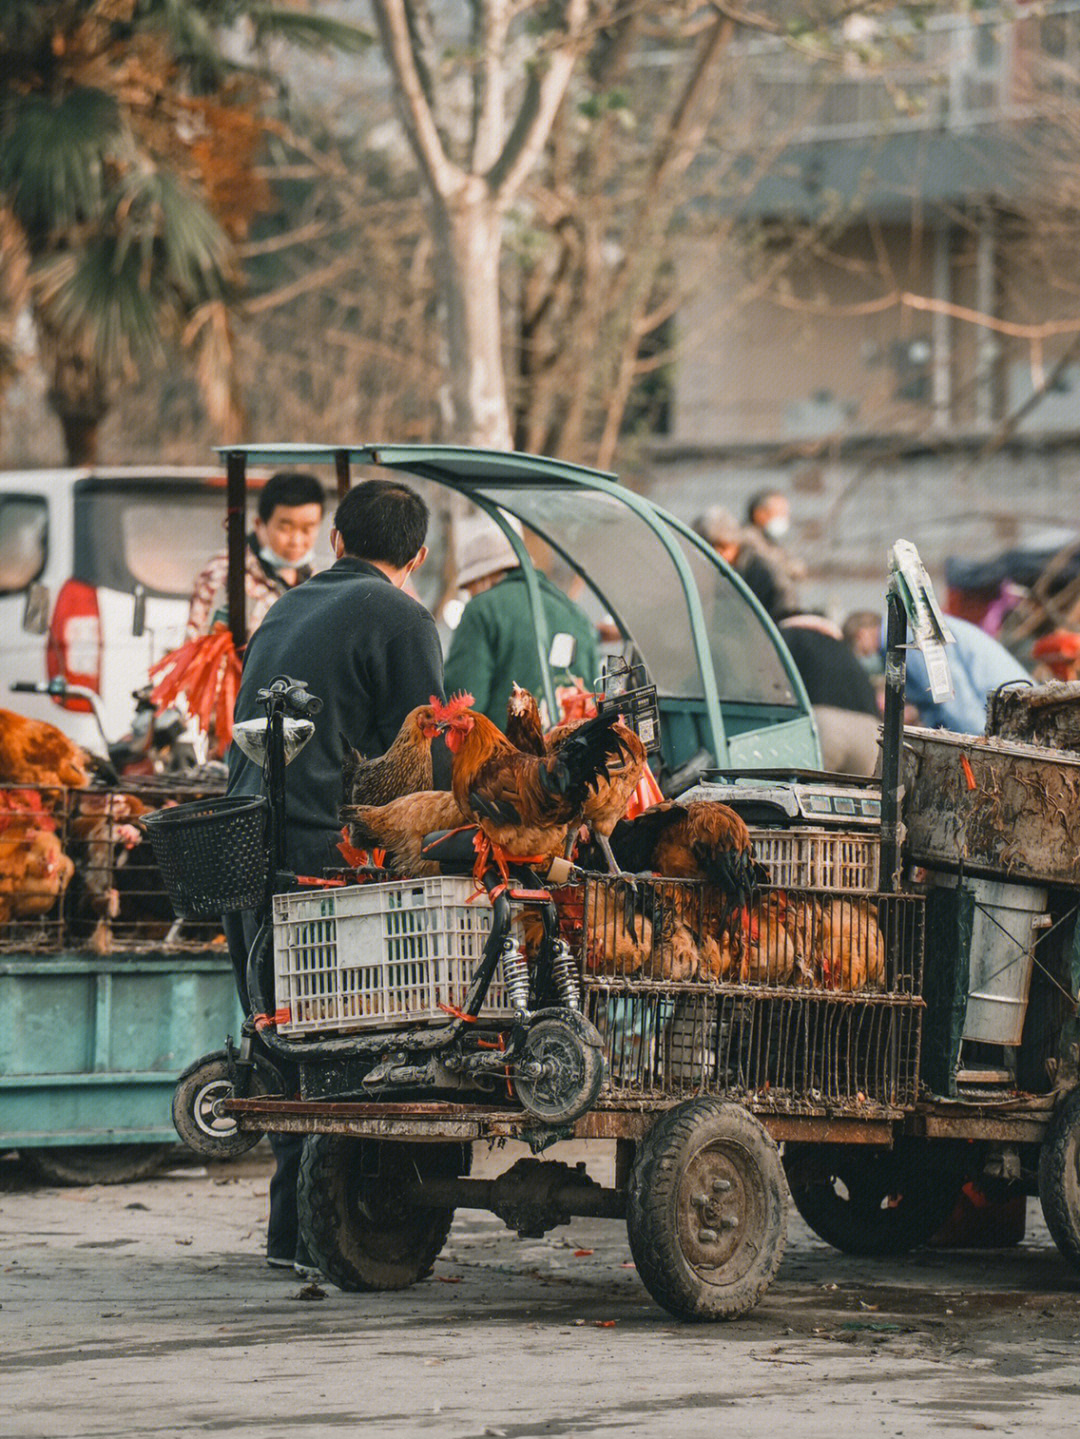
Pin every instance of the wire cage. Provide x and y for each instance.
(77, 872)
(798, 998)
(372, 956)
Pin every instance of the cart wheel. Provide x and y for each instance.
(1059, 1178)
(570, 1053)
(707, 1210)
(359, 1228)
(96, 1163)
(199, 1090)
(871, 1202)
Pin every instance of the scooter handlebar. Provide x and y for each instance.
(294, 694)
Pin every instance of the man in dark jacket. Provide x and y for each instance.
(371, 653)
(839, 690)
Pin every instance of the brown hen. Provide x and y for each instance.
(399, 828)
(36, 752)
(405, 768)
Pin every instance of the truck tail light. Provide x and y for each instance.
(74, 644)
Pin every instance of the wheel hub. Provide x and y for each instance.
(716, 1210)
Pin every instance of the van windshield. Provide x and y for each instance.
(156, 533)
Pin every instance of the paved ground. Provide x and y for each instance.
(144, 1310)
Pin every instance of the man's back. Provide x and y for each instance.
(494, 646)
(371, 653)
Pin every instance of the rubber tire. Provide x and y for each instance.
(680, 1158)
(1059, 1178)
(356, 1227)
(81, 1164)
(211, 1069)
(571, 1037)
(925, 1194)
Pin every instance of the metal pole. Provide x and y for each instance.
(892, 740)
(344, 479)
(236, 495)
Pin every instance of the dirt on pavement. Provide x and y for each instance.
(146, 1310)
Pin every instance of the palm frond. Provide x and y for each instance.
(307, 31)
(178, 243)
(97, 300)
(53, 158)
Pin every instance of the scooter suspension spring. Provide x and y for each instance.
(565, 974)
(515, 973)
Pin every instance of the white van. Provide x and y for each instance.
(96, 570)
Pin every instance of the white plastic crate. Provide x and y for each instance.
(374, 956)
(819, 859)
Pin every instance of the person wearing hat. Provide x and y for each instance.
(494, 645)
(1058, 654)
(718, 527)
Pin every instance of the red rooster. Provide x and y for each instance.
(525, 804)
(607, 804)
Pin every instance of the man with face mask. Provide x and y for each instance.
(279, 554)
(768, 523)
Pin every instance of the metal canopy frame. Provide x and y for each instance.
(470, 472)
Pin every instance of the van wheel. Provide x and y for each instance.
(1059, 1178)
(359, 1227)
(707, 1210)
(80, 1164)
(871, 1201)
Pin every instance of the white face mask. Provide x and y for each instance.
(273, 559)
(777, 527)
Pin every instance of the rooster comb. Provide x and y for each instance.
(454, 706)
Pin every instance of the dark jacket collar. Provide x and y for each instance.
(350, 564)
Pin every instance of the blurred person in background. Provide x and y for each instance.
(1057, 656)
(768, 524)
(494, 644)
(279, 554)
(839, 690)
(719, 528)
(862, 634)
(978, 665)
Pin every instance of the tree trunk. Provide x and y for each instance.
(80, 439)
(469, 230)
(79, 395)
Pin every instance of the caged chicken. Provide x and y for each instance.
(34, 752)
(104, 836)
(702, 840)
(851, 947)
(526, 805)
(34, 870)
(607, 804)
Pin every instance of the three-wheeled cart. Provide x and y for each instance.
(872, 1009)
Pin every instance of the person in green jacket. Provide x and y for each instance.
(494, 645)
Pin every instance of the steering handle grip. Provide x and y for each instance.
(294, 696)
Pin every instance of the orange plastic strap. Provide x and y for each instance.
(268, 1021)
(457, 1013)
(315, 883)
(969, 773)
(534, 894)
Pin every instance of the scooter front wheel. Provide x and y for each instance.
(197, 1114)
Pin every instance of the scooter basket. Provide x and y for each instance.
(212, 854)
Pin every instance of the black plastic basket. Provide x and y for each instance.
(212, 854)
